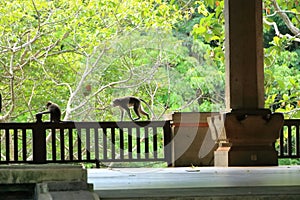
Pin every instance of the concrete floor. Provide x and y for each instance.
(281, 182)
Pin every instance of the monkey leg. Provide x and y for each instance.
(122, 114)
(136, 109)
(139, 117)
(144, 112)
(141, 111)
(129, 114)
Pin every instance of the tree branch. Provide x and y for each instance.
(277, 32)
(285, 18)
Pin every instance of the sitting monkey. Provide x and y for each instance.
(53, 110)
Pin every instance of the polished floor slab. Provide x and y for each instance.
(202, 182)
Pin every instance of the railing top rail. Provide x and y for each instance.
(13, 125)
(111, 124)
(71, 124)
(292, 122)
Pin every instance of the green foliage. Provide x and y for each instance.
(281, 56)
(282, 77)
(44, 45)
(281, 48)
(173, 51)
(82, 54)
(289, 161)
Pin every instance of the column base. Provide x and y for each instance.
(245, 156)
(248, 140)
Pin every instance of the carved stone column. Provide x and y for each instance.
(246, 133)
(244, 54)
(246, 138)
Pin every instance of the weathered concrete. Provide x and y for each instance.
(64, 191)
(45, 182)
(12, 174)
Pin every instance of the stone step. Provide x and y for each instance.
(17, 191)
(238, 193)
(45, 182)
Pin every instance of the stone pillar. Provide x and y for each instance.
(246, 138)
(193, 143)
(246, 133)
(244, 54)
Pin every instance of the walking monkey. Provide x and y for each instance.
(125, 103)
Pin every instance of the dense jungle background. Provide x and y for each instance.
(81, 54)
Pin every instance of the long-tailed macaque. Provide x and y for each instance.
(125, 102)
(54, 110)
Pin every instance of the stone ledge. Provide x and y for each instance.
(205, 193)
(11, 174)
(65, 190)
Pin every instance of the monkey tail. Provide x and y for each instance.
(153, 115)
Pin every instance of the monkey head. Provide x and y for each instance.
(49, 103)
(116, 102)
